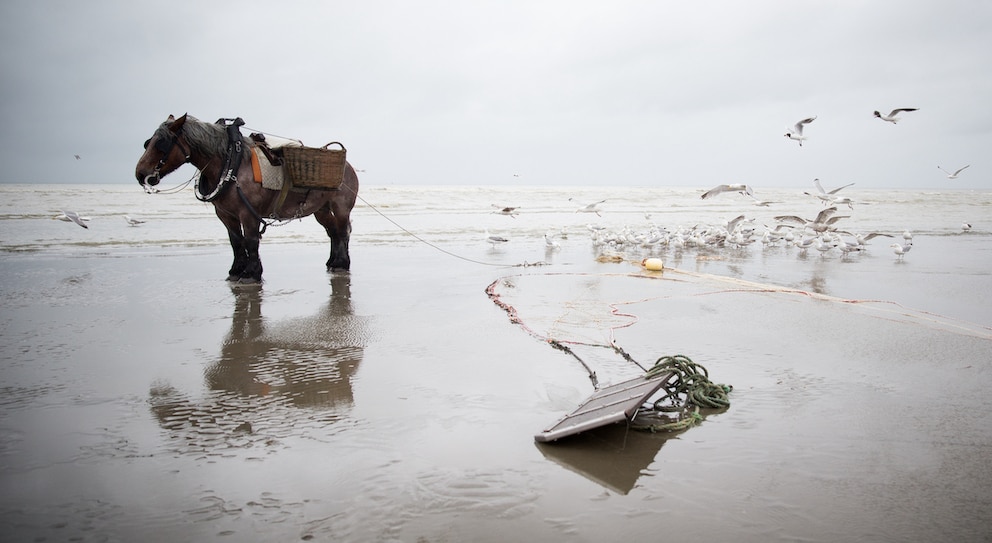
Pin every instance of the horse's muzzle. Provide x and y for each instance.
(148, 181)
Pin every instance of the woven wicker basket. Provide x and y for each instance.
(315, 167)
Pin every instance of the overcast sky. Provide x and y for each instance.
(645, 93)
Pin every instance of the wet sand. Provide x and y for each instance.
(146, 399)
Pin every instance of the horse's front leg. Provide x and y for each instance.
(237, 240)
(252, 239)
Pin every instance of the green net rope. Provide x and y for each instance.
(687, 389)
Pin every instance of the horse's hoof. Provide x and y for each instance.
(233, 278)
(249, 281)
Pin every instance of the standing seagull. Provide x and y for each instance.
(797, 131)
(745, 190)
(74, 217)
(901, 249)
(952, 175)
(133, 222)
(892, 116)
(495, 240)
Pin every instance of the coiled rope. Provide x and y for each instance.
(687, 389)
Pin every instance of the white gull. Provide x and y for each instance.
(797, 130)
(893, 116)
(953, 175)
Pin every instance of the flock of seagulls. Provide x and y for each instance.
(822, 234)
(796, 132)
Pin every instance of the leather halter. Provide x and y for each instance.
(166, 149)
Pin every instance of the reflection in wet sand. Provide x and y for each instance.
(613, 456)
(271, 379)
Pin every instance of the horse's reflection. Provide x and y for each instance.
(267, 371)
(308, 360)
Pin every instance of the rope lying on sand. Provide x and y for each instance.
(688, 388)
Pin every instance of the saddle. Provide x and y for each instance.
(274, 155)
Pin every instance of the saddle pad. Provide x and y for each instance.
(272, 176)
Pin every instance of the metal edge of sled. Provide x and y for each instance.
(606, 406)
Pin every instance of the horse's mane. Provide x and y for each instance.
(207, 138)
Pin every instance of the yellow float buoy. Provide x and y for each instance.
(653, 264)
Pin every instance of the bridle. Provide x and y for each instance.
(164, 146)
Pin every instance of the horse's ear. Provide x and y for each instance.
(176, 124)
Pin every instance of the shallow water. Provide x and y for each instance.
(144, 398)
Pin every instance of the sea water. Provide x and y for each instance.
(947, 270)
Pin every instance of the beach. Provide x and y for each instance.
(146, 398)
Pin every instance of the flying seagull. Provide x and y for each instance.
(77, 157)
(952, 175)
(797, 131)
(824, 196)
(743, 189)
(591, 208)
(72, 216)
(892, 117)
(511, 211)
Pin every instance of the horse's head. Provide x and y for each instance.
(164, 152)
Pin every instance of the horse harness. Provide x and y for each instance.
(229, 172)
(232, 162)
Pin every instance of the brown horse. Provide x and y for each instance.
(221, 154)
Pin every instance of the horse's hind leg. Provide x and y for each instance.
(337, 222)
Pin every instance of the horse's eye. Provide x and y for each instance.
(147, 141)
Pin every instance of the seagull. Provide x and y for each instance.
(797, 131)
(550, 243)
(761, 203)
(133, 222)
(843, 200)
(900, 250)
(719, 189)
(892, 116)
(591, 208)
(77, 157)
(495, 240)
(864, 239)
(823, 222)
(965, 227)
(908, 236)
(74, 217)
(511, 211)
(824, 196)
(952, 175)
